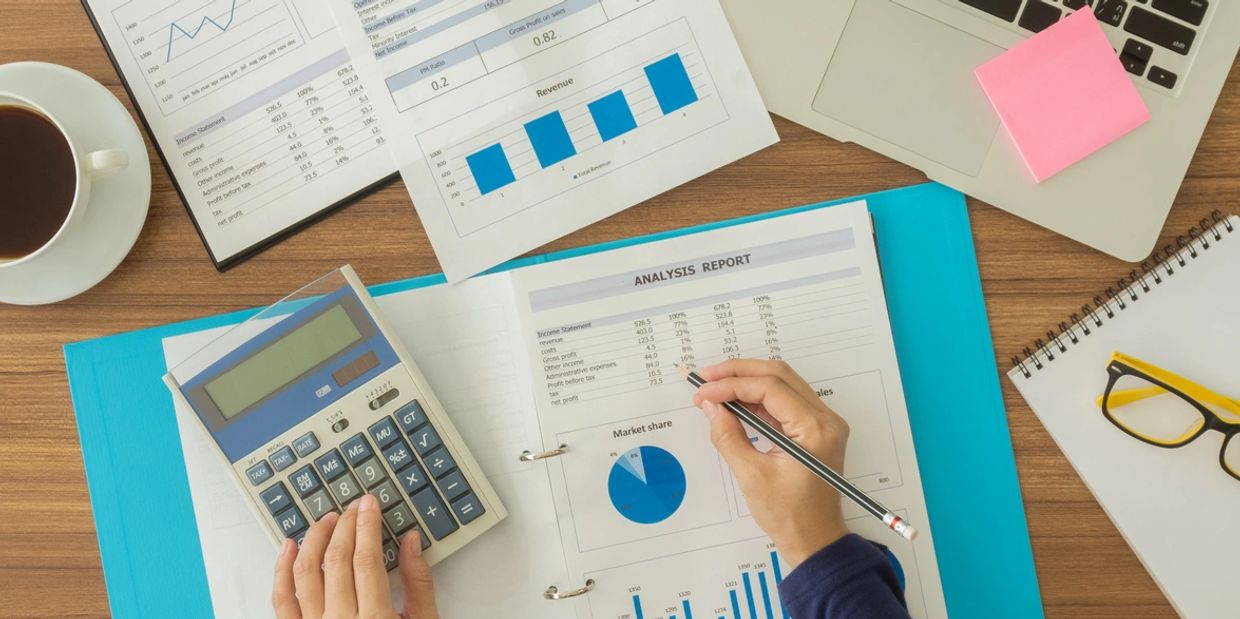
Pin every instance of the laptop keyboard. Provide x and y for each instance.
(1154, 38)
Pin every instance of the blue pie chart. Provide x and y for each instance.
(646, 484)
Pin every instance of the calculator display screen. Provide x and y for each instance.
(284, 361)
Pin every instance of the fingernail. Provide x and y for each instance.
(352, 506)
(369, 503)
(415, 545)
(710, 408)
(286, 547)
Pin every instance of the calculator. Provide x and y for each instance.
(314, 402)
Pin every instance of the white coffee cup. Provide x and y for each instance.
(89, 167)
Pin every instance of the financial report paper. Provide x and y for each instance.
(581, 352)
(515, 122)
(255, 105)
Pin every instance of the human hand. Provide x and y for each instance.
(800, 512)
(339, 572)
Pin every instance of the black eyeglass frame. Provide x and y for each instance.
(1118, 369)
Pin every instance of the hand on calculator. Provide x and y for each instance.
(339, 570)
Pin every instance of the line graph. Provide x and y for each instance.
(206, 19)
(188, 49)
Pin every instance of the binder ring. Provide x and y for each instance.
(530, 456)
(553, 592)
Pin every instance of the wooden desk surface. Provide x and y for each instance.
(49, 560)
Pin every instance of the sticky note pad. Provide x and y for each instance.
(1062, 94)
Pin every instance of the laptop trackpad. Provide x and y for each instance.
(908, 79)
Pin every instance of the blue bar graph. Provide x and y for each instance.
(671, 84)
(753, 608)
(688, 611)
(550, 138)
(766, 595)
(779, 577)
(490, 168)
(736, 607)
(637, 607)
(612, 116)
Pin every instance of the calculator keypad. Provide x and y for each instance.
(400, 459)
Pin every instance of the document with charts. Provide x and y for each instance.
(647, 508)
(514, 122)
(580, 352)
(255, 107)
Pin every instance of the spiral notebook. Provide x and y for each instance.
(1177, 508)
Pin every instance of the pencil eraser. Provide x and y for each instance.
(908, 531)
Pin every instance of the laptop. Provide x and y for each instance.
(896, 76)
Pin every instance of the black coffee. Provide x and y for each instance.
(37, 181)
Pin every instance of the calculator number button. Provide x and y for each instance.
(370, 472)
(357, 449)
(384, 432)
(306, 481)
(345, 488)
(425, 440)
(398, 455)
(306, 444)
(275, 498)
(319, 504)
(386, 494)
(283, 459)
(399, 518)
(467, 508)
(411, 417)
(411, 478)
(330, 465)
(291, 522)
(391, 553)
(259, 473)
(453, 485)
(439, 462)
(437, 518)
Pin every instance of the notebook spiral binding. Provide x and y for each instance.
(1126, 292)
(553, 592)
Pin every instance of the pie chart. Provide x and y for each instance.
(646, 484)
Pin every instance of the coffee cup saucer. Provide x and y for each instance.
(97, 242)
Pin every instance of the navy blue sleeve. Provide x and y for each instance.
(850, 578)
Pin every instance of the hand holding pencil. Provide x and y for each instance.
(795, 506)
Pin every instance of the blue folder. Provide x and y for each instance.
(148, 539)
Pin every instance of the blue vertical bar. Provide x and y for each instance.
(490, 168)
(736, 606)
(688, 611)
(550, 138)
(637, 607)
(779, 577)
(753, 608)
(671, 83)
(766, 595)
(612, 115)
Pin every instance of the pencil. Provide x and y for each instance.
(816, 466)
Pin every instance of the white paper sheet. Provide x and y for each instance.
(463, 339)
(647, 507)
(515, 122)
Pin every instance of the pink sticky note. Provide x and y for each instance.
(1062, 94)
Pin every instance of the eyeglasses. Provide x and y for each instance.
(1168, 410)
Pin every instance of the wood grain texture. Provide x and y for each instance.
(49, 561)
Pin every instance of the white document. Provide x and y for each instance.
(1175, 507)
(515, 122)
(466, 344)
(647, 507)
(255, 105)
(581, 352)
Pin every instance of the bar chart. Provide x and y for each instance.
(575, 126)
(744, 589)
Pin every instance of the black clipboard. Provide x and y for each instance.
(257, 248)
